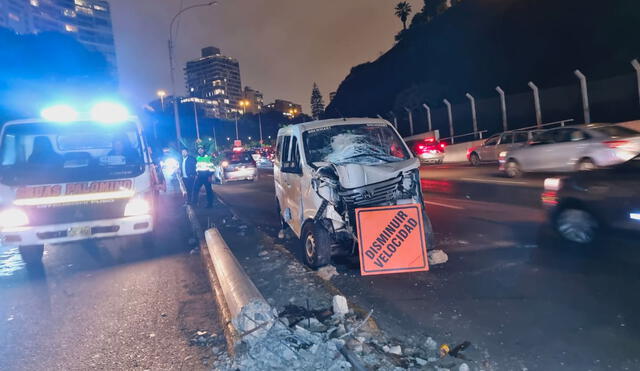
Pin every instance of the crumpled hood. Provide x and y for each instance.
(358, 175)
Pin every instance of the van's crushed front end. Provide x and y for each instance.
(358, 166)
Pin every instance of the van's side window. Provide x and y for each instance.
(284, 155)
(278, 149)
(294, 161)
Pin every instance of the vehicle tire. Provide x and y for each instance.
(428, 231)
(32, 254)
(474, 159)
(586, 164)
(512, 169)
(576, 225)
(316, 245)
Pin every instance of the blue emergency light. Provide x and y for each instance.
(59, 113)
(103, 112)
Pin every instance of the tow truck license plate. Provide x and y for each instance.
(79, 232)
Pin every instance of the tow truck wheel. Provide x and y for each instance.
(316, 243)
(32, 254)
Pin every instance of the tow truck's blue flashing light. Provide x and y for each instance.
(59, 113)
(109, 112)
(635, 216)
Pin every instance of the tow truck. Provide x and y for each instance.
(73, 176)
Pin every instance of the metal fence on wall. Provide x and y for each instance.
(607, 100)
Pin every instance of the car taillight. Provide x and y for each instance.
(615, 143)
(442, 145)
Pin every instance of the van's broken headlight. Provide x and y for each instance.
(408, 179)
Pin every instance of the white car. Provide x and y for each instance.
(325, 170)
(572, 148)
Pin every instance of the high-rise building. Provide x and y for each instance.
(255, 99)
(89, 21)
(285, 107)
(216, 78)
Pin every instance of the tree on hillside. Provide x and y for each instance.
(317, 103)
(402, 11)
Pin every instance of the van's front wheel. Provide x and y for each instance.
(316, 243)
(32, 254)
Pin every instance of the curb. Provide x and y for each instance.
(231, 335)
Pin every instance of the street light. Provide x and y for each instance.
(176, 115)
(162, 94)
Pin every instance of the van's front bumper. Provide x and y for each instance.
(69, 232)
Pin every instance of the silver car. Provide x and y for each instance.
(494, 145)
(572, 148)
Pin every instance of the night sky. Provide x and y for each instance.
(283, 46)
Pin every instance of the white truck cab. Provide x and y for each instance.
(324, 170)
(67, 179)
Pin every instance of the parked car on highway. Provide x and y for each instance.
(494, 145)
(572, 148)
(428, 150)
(236, 165)
(587, 204)
(325, 170)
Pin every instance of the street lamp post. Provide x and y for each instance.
(176, 115)
(195, 115)
(260, 125)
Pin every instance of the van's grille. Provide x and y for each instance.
(379, 194)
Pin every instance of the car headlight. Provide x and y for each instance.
(137, 206)
(11, 218)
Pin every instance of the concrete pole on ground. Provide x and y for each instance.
(448, 104)
(536, 102)
(410, 120)
(474, 116)
(636, 65)
(503, 107)
(428, 116)
(585, 96)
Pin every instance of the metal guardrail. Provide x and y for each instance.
(480, 133)
(561, 123)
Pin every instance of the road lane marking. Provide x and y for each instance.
(444, 205)
(494, 181)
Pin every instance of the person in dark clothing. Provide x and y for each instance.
(43, 153)
(204, 169)
(188, 173)
(122, 147)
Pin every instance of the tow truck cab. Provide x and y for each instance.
(72, 180)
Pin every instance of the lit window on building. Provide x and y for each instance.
(99, 8)
(80, 2)
(81, 9)
(226, 101)
(69, 13)
(218, 92)
(34, 2)
(14, 17)
(70, 28)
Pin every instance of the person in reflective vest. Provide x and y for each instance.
(204, 170)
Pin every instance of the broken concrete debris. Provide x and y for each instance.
(340, 306)
(437, 257)
(431, 344)
(463, 367)
(327, 272)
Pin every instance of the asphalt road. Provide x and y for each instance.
(115, 304)
(523, 298)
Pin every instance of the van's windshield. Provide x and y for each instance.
(357, 143)
(42, 153)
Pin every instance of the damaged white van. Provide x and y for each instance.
(325, 170)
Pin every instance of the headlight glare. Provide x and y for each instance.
(137, 206)
(12, 218)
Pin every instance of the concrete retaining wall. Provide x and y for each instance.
(458, 152)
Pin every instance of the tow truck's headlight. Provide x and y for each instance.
(137, 206)
(11, 218)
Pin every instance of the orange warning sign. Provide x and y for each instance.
(391, 239)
